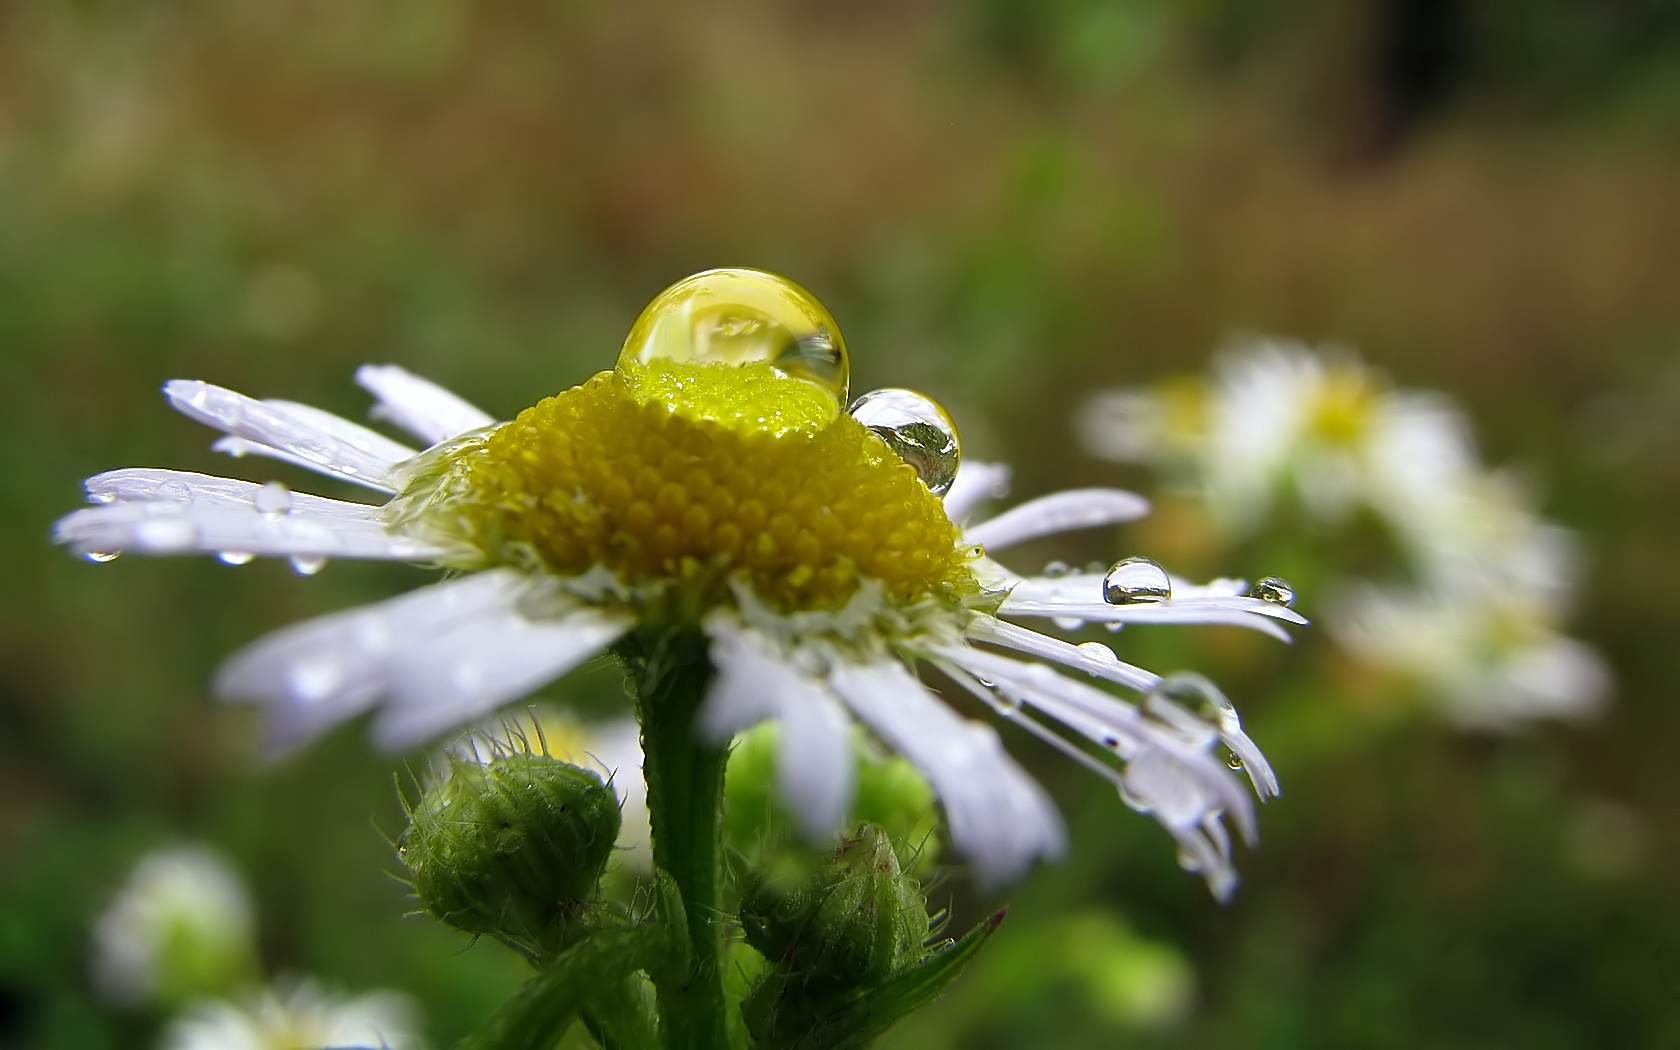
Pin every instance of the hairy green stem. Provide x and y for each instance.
(685, 802)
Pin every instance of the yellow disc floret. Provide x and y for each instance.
(695, 471)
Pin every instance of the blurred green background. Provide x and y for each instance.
(1006, 203)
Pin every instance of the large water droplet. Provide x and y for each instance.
(914, 426)
(235, 557)
(100, 557)
(1135, 581)
(273, 498)
(1274, 589)
(738, 317)
(307, 565)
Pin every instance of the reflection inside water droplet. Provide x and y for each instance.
(100, 557)
(743, 316)
(1136, 581)
(235, 557)
(914, 426)
(307, 565)
(1274, 589)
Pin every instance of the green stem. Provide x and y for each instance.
(685, 804)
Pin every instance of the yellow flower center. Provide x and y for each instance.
(1342, 407)
(697, 471)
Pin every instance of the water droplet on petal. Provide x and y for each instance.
(1099, 651)
(1274, 589)
(166, 534)
(1068, 623)
(1234, 761)
(307, 565)
(235, 557)
(1135, 581)
(914, 426)
(273, 498)
(738, 317)
(100, 557)
(1057, 569)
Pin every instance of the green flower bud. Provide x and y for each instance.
(513, 848)
(851, 925)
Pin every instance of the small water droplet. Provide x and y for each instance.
(235, 557)
(1068, 623)
(1099, 651)
(100, 557)
(1057, 569)
(1234, 761)
(1274, 589)
(166, 534)
(307, 565)
(1114, 628)
(914, 426)
(1135, 581)
(738, 317)
(273, 498)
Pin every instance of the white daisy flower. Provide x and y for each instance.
(1489, 657)
(298, 1017)
(1279, 417)
(182, 924)
(713, 485)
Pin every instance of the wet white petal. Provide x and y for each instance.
(317, 674)
(1092, 657)
(419, 406)
(1160, 784)
(1058, 512)
(1110, 722)
(177, 528)
(339, 448)
(1000, 819)
(155, 485)
(455, 677)
(815, 769)
(976, 483)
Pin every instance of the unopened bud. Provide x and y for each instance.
(513, 848)
(852, 924)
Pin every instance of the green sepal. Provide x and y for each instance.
(580, 977)
(862, 1016)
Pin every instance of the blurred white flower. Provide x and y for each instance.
(299, 1016)
(1279, 422)
(1491, 659)
(180, 925)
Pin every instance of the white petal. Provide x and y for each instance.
(999, 817)
(1081, 596)
(156, 485)
(1058, 512)
(976, 483)
(455, 677)
(179, 528)
(351, 433)
(239, 448)
(1110, 722)
(815, 769)
(419, 406)
(1093, 658)
(341, 448)
(316, 674)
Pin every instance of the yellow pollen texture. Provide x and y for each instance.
(732, 472)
